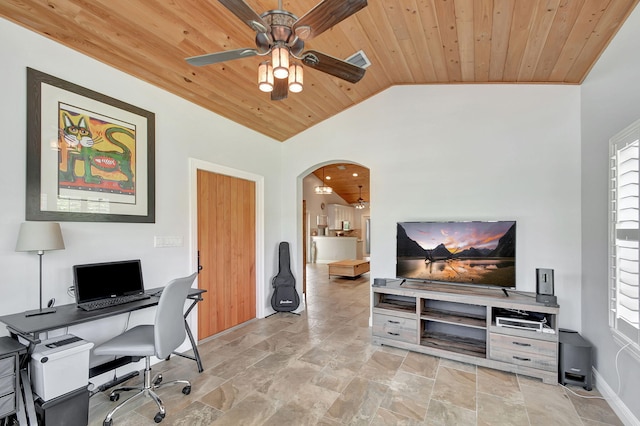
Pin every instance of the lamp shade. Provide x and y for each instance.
(295, 78)
(280, 60)
(265, 77)
(40, 236)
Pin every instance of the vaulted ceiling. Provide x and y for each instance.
(407, 42)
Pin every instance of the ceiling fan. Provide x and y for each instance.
(282, 34)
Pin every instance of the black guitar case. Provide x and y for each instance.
(285, 298)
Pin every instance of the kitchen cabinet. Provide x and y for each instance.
(338, 213)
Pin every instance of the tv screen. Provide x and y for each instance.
(473, 253)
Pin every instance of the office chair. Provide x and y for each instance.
(159, 339)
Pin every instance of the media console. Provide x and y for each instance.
(460, 323)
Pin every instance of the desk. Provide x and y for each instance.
(30, 328)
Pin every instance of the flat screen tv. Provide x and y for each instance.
(471, 253)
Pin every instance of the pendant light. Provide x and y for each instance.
(360, 204)
(323, 189)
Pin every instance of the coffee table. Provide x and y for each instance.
(349, 268)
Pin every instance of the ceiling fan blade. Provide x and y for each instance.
(280, 89)
(214, 58)
(247, 15)
(334, 66)
(325, 15)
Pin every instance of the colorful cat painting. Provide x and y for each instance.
(80, 147)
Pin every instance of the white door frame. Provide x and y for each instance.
(194, 166)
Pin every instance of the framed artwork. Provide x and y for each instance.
(90, 157)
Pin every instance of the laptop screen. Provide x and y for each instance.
(97, 281)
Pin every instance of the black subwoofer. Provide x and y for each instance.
(575, 360)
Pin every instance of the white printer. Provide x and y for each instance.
(60, 365)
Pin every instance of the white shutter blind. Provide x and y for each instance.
(624, 226)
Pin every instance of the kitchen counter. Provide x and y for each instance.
(331, 249)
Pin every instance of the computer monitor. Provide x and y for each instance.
(97, 281)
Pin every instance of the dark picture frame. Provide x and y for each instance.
(90, 157)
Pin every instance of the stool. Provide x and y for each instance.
(575, 359)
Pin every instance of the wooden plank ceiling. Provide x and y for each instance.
(407, 41)
(345, 179)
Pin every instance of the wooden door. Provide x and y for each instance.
(226, 247)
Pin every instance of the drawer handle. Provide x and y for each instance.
(393, 322)
(521, 344)
(521, 359)
(393, 334)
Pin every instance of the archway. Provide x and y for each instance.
(333, 214)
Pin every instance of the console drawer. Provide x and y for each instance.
(396, 328)
(523, 351)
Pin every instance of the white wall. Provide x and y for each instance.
(461, 153)
(183, 131)
(610, 102)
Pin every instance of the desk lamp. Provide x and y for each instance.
(40, 237)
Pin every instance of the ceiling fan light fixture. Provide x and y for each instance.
(280, 60)
(323, 190)
(296, 75)
(265, 77)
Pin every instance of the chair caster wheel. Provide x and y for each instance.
(107, 423)
(186, 390)
(114, 397)
(158, 418)
(158, 380)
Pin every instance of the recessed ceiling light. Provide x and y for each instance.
(341, 167)
(328, 178)
(355, 175)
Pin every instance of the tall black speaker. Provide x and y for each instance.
(544, 287)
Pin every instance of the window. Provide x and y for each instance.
(624, 235)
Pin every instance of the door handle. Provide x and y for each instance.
(199, 265)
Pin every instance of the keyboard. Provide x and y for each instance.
(112, 301)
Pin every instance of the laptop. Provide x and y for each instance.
(100, 285)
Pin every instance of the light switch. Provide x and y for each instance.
(164, 242)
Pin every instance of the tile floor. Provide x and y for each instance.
(321, 369)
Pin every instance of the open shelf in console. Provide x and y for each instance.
(462, 314)
(523, 321)
(454, 326)
(473, 346)
(394, 302)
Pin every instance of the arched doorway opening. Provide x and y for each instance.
(335, 223)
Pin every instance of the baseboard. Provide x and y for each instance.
(621, 410)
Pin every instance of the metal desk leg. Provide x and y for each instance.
(194, 344)
(28, 397)
(21, 413)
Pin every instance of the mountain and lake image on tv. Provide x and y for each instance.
(472, 253)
